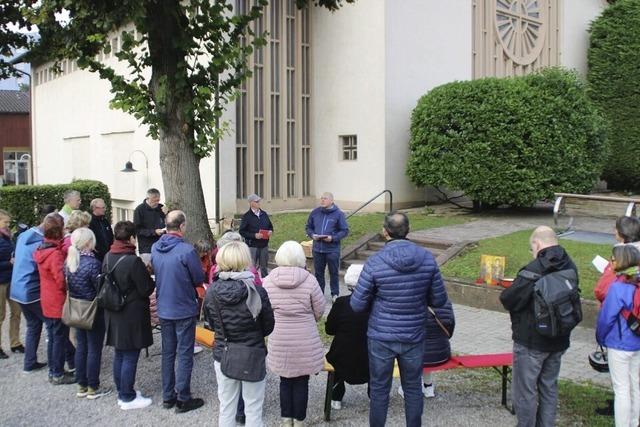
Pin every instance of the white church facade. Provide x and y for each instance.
(328, 107)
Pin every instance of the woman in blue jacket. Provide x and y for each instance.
(81, 271)
(623, 345)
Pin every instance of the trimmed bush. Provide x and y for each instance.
(508, 141)
(24, 201)
(614, 77)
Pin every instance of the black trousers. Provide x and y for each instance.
(294, 395)
(338, 390)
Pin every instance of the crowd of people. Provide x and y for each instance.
(398, 310)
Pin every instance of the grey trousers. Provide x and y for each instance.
(260, 258)
(535, 386)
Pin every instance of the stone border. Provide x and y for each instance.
(484, 296)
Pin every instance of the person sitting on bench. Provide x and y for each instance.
(348, 352)
(437, 350)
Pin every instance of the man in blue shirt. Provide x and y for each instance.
(327, 226)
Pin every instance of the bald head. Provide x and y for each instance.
(175, 220)
(541, 238)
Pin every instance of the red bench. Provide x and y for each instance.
(500, 362)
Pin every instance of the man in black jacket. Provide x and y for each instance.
(149, 220)
(254, 220)
(536, 358)
(101, 228)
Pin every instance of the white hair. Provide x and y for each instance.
(82, 239)
(291, 254)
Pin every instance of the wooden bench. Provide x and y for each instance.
(500, 362)
(572, 205)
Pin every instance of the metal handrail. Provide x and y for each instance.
(371, 200)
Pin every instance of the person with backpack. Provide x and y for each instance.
(128, 328)
(536, 356)
(81, 272)
(615, 330)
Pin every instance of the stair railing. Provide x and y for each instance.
(371, 200)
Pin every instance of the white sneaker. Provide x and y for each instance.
(334, 298)
(138, 394)
(428, 391)
(336, 404)
(197, 349)
(138, 403)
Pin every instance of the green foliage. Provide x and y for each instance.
(614, 76)
(515, 247)
(11, 41)
(24, 201)
(508, 141)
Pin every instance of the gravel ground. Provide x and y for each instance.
(29, 400)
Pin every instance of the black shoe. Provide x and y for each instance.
(17, 349)
(189, 405)
(241, 419)
(168, 404)
(63, 379)
(607, 411)
(36, 367)
(3, 355)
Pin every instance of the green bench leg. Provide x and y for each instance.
(327, 395)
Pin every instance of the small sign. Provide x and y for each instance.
(492, 269)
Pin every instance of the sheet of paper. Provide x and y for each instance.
(600, 263)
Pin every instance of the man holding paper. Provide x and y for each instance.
(256, 229)
(327, 226)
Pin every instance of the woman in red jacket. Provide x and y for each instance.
(627, 231)
(50, 261)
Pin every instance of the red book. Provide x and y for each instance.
(264, 233)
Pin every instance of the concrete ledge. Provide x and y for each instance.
(488, 297)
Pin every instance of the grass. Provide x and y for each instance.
(515, 247)
(290, 226)
(578, 402)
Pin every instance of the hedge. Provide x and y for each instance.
(24, 201)
(508, 141)
(614, 77)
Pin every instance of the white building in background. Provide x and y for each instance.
(329, 106)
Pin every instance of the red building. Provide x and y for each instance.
(15, 137)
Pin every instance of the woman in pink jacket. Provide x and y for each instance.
(294, 347)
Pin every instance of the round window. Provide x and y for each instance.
(520, 26)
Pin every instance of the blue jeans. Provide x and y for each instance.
(125, 364)
(89, 353)
(320, 262)
(178, 338)
(33, 315)
(59, 348)
(381, 357)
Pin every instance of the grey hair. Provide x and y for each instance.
(230, 236)
(69, 194)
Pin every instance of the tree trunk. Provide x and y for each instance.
(182, 184)
(173, 96)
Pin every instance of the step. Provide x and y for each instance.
(373, 247)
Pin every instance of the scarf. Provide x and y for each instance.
(254, 303)
(632, 273)
(122, 247)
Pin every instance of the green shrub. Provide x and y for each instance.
(24, 201)
(508, 141)
(614, 77)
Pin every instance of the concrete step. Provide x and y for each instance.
(373, 247)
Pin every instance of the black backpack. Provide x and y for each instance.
(110, 297)
(556, 300)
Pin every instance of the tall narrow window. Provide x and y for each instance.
(305, 141)
(241, 127)
(258, 112)
(275, 15)
(291, 97)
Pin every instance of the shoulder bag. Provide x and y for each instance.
(79, 313)
(240, 362)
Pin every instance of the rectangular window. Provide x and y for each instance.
(349, 146)
(17, 167)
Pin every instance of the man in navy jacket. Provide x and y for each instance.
(397, 285)
(327, 226)
(178, 271)
(254, 220)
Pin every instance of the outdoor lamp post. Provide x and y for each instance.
(128, 167)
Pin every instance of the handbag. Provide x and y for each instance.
(240, 362)
(79, 313)
(110, 296)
